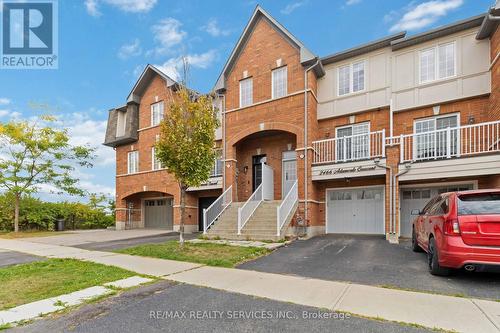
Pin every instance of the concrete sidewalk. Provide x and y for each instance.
(429, 310)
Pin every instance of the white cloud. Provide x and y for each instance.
(130, 6)
(292, 6)
(4, 113)
(167, 33)
(213, 29)
(4, 101)
(84, 130)
(91, 6)
(425, 14)
(352, 2)
(132, 49)
(173, 66)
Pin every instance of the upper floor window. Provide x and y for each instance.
(432, 139)
(155, 162)
(218, 167)
(133, 162)
(246, 92)
(279, 82)
(156, 113)
(353, 142)
(121, 123)
(437, 62)
(351, 78)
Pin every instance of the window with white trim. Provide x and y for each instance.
(246, 92)
(351, 78)
(133, 162)
(437, 62)
(156, 113)
(431, 137)
(155, 162)
(353, 142)
(279, 82)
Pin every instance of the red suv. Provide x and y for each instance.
(459, 229)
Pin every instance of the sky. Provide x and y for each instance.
(105, 44)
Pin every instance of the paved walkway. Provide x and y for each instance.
(79, 237)
(429, 310)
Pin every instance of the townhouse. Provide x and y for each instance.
(345, 143)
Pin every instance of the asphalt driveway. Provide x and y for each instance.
(372, 260)
(170, 307)
(8, 258)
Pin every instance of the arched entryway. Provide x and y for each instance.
(274, 148)
(153, 210)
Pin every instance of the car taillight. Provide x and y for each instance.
(451, 227)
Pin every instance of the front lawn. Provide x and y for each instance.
(27, 234)
(25, 283)
(203, 253)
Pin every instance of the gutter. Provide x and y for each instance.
(306, 144)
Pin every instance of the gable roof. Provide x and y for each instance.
(144, 79)
(306, 56)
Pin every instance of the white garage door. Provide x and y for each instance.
(355, 211)
(417, 198)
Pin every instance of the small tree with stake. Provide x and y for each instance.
(186, 143)
(34, 154)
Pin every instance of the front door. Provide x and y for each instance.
(257, 161)
(289, 171)
(203, 203)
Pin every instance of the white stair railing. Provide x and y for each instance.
(246, 211)
(216, 209)
(284, 210)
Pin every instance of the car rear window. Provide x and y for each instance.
(479, 204)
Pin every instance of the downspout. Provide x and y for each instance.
(377, 164)
(394, 182)
(223, 116)
(391, 120)
(306, 214)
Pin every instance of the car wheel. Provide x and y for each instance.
(414, 243)
(433, 259)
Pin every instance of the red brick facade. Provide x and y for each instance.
(273, 126)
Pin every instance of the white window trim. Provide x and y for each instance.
(129, 165)
(241, 81)
(435, 118)
(152, 113)
(352, 125)
(272, 81)
(351, 81)
(436, 63)
(153, 159)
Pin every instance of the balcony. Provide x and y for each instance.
(451, 142)
(348, 156)
(215, 180)
(464, 151)
(349, 148)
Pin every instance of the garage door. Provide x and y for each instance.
(158, 214)
(356, 211)
(417, 198)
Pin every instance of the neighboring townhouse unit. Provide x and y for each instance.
(347, 143)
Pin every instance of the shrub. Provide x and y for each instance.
(36, 214)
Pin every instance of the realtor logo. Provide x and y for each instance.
(29, 35)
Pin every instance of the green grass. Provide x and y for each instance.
(203, 253)
(27, 234)
(21, 284)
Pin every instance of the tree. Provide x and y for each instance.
(186, 144)
(37, 153)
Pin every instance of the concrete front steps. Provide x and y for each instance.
(261, 226)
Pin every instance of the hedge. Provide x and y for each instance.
(36, 214)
